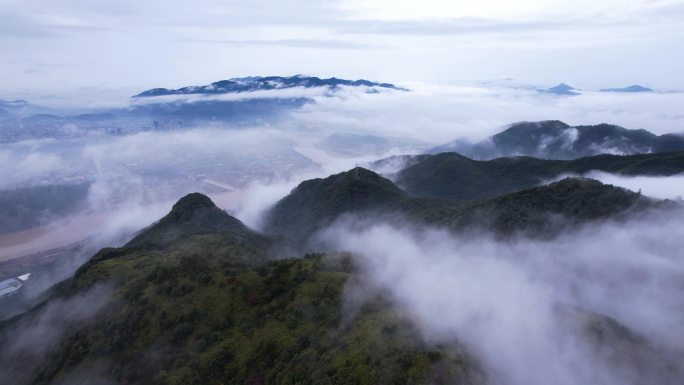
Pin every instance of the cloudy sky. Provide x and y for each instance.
(63, 46)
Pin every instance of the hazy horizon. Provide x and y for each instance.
(69, 46)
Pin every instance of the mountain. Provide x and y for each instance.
(535, 212)
(195, 313)
(554, 139)
(260, 83)
(561, 89)
(194, 215)
(454, 176)
(244, 111)
(315, 203)
(195, 106)
(632, 88)
(199, 298)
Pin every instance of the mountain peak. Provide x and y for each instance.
(264, 83)
(316, 203)
(190, 203)
(350, 182)
(561, 89)
(553, 139)
(194, 214)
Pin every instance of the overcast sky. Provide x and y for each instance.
(62, 46)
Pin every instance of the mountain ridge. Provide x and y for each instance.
(209, 303)
(259, 83)
(554, 139)
(318, 202)
(455, 176)
(531, 210)
(632, 88)
(195, 313)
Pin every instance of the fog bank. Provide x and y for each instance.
(513, 303)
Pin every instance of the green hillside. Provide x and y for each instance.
(312, 205)
(453, 176)
(316, 203)
(210, 305)
(539, 211)
(199, 298)
(553, 139)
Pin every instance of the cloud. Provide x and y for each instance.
(19, 164)
(35, 335)
(293, 92)
(259, 196)
(134, 44)
(671, 187)
(296, 43)
(498, 9)
(438, 114)
(508, 301)
(135, 178)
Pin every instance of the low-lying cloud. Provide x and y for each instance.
(20, 164)
(136, 178)
(661, 187)
(25, 343)
(525, 308)
(438, 114)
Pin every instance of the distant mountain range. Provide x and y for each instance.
(452, 176)
(554, 139)
(20, 120)
(261, 83)
(568, 90)
(632, 88)
(561, 89)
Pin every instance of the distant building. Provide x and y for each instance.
(11, 286)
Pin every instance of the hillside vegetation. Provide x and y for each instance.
(454, 176)
(553, 139)
(198, 299)
(315, 204)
